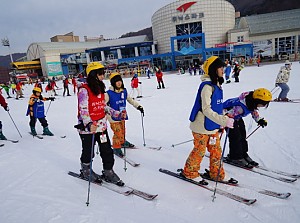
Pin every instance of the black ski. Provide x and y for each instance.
(280, 178)
(10, 140)
(121, 190)
(218, 191)
(292, 175)
(1, 145)
(125, 190)
(129, 161)
(261, 191)
(147, 147)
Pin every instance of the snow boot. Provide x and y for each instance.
(241, 162)
(47, 132)
(85, 173)
(127, 144)
(199, 179)
(111, 177)
(118, 152)
(226, 179)
(251, 161)
(2, 137)
(33, 132)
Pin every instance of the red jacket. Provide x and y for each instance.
(2, 101)
(135, 83)
(159, 75)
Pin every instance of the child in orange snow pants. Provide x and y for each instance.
(201, 142)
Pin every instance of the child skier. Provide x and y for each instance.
(206, 119)
(159, 78)
(117, 97)
(135, 86)
(237, 108)
(228, 72)
(5, 106)
(36, 111)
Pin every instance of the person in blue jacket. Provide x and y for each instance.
(117, 98)
(237, 108)
(36, 110)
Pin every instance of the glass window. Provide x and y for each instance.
(188, 29)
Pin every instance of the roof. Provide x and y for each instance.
(35, 49)
(271, 22)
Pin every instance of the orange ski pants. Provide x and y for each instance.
(192, 165)
(119, 134)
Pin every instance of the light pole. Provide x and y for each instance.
(5, 42)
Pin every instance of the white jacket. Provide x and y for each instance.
(283, 75)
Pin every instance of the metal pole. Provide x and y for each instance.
(173, 145)
(90, 176)
(14, 123)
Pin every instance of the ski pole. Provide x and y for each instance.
(14, 123)
(219, 170)
(143, 128)
(173, 145)
(90, 176)
(48, 107)
(125, 164)
(274, 89)
(253, 131)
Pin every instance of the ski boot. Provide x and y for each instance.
(47, 132)
(111, 177)
(118, 152)
(199, 179)
(2, 137)
(239, 162)
(251, 161)
(127, 144)
(85, 173)
(226, 179)
(33, 132)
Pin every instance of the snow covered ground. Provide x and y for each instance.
(35, 187)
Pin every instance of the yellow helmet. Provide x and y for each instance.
(93, 66)
(262, 94)
(207, 63)
(112, 75)
(37, 89)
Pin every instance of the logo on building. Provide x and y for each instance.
(185, 6)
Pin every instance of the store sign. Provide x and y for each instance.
(185, 17)
(54, 68)
(188, 17)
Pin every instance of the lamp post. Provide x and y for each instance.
(5, 42)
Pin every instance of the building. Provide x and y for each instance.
(185, 33)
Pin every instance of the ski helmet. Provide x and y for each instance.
(114, 78)
(93, 66)
(262, 94)
(37, 89)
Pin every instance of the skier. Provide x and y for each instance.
(74, 83)
(117, 97)
(36, 110)
(5, 106)
(159, 78)
(6, 87)
(50, 89)
(237, 108)
(135, 86)
(236, 72)
(281, 81)
(92, 125)
(66, 86)
(228, 72)
(206, 119)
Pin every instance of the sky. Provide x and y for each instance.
(35, 187)
(27, 21)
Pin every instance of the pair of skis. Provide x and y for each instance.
(41, 136)
(125, 190)
(241, 199)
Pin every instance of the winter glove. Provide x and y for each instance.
(262, 122)
(41, 97)
(123, 114)
(140, 82)
(51, 98)
(141, 109)
(276, 84)
(6, 108)
(229, 123)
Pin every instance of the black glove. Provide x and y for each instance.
(141, 109)
(51, 98)
(6, 108)
(41, 97)
(140, 82)
(262, 122)
(276, 84)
